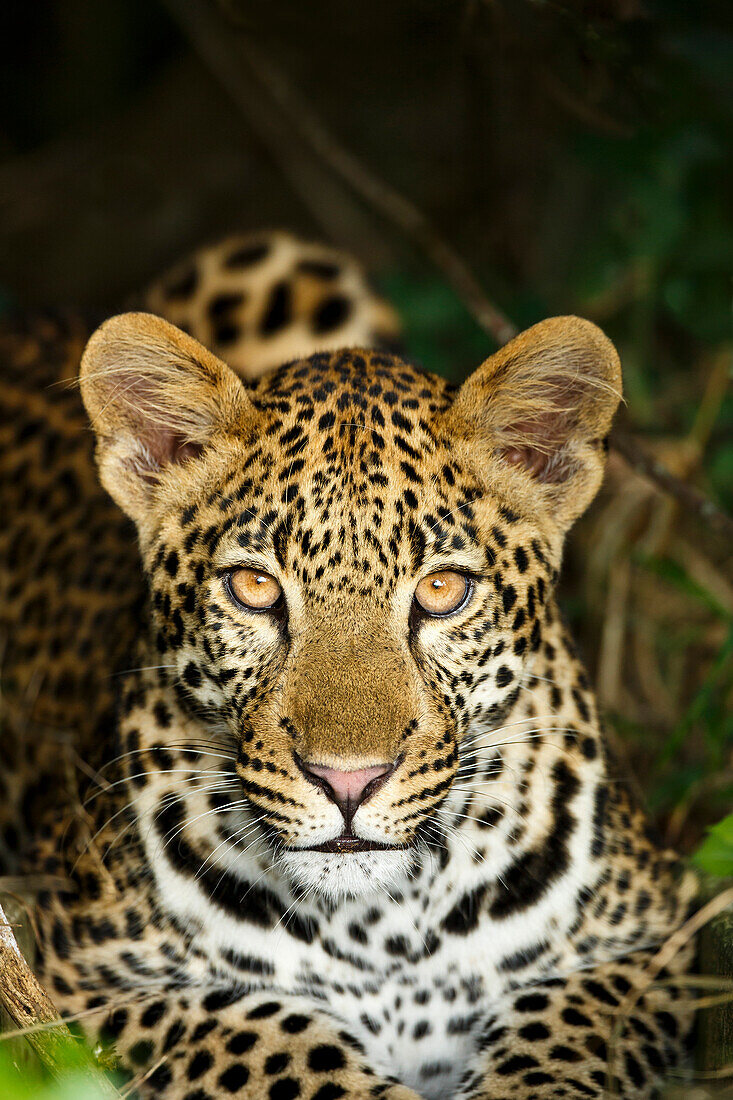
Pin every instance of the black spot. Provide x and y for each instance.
(357, 933)
(534, 1032)
(162, 714)
(575, 1018)
(192, 675)
(62, 986)
(199, 1064)
(173, 1035)
(287, 1088)
(326, 1057)
(600, 803)
(322, 269)
(600, 992)
(532, 1002)
(524, 957)
(329, 1092)
(504, 677)
(226, 333)
(159, 1079)
(234, 1078)
(203, 1029)
(261, 1012)
(581, 704)
(516, 1063)
(153, 1014)
(331, 313)
(242, 1042)
(141, 1053)
(276, 1063)
(252, 964)
(295, 1023)
(247, 255)
(222, 998)
(278, 311)
(60, 940)
(221, 306)
(463, 917)
(589, 748)
(508, 598)
(667, 1022)
(563, 1053)
(115, 1024)
(532, 874)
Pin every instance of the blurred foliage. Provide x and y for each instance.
(715, 855)
(23, 1078)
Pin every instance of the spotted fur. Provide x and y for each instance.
(508, 899)
(263, 299)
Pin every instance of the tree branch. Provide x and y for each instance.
(28, 1005)
(690, 499)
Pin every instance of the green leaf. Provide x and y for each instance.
(715, 854)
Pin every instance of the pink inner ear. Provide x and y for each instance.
(539, 445)
(184, 451)
(533, 461)
(168, 447)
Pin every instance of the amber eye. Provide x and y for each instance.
(442, 593)
(253, 589)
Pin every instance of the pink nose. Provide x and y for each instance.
(347, 789)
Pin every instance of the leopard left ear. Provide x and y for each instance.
(156, 399)
(538, 413)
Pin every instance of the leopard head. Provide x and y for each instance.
(349, 561)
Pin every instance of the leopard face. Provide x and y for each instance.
(348, 564)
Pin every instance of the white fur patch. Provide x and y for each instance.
(338, 875)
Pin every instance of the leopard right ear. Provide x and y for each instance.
(536, 414)
(156, 399)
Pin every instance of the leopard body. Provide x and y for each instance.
(515, 900)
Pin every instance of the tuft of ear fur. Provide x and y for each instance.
(156, 398)
(542, 406)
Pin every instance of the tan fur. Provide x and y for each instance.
(352, 693)
(150, 389)
(251, 352)
(545, 402)
(511, 893)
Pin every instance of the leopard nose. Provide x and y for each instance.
(348, 789)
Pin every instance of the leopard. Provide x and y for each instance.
(297, 746)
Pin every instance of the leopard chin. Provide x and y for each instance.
(339, 875)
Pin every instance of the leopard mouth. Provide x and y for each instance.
(348, 843)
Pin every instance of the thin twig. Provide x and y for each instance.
(689, 498)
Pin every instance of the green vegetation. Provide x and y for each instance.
(22, 1078)
(715, 854)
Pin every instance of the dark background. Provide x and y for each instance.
(576, 155)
